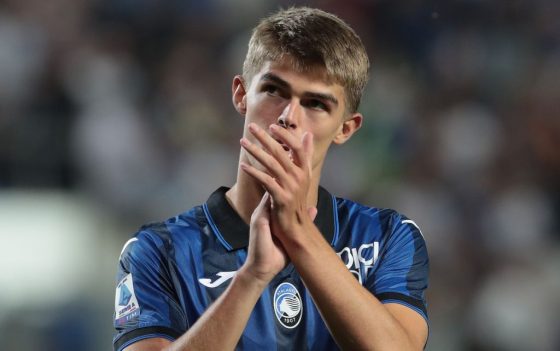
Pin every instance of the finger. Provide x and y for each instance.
(265, 202)
(308, 149)
(264, 158)
(260, 210)
(271, 145)
(312, 211)
(302, 149)
(290, 140)
(268, 182)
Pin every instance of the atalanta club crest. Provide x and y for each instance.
(288, 306)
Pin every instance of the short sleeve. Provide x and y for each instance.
(146, 305)
(401, 275)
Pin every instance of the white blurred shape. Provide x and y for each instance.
(48, 247)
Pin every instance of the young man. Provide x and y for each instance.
(276, 261)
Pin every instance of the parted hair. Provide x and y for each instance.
(310, 37)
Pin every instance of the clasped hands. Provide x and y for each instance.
(283, 212)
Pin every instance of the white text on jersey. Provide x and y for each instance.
(354, 258)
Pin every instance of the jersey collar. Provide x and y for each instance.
(233, 232)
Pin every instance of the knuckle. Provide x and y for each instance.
(269, 181)
(300, 176)
(289, 197)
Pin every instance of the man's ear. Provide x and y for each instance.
(239, 94)
(348, 128)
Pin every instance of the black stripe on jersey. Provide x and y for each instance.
(325, 219)
(404, 298)
(145, 333)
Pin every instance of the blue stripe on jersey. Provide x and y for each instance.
(215, 228)
(335, 216)
(170, 270)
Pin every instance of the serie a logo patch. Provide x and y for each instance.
(126, 304)
(288, 306)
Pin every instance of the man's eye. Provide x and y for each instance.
(271, 90)
(317, 105)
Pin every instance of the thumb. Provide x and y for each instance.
(263, 208)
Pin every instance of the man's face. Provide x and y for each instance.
(300, 102)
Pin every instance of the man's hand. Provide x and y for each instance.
(266, 256)
(287, 177)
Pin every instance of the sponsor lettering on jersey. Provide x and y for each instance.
(358, 259)
(288, 306)
(126, 304)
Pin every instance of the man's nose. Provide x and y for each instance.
(291, 115)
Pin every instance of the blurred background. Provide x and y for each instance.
(114, 113)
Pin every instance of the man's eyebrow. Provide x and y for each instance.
(275, 79)
(320, 96)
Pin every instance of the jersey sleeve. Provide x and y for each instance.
(145, 304)
(402, 272)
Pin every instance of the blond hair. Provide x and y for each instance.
(311, 37)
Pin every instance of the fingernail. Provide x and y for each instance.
(252, 127)
(244, 142)
(273, 127)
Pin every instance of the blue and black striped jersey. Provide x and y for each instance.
(170, 272)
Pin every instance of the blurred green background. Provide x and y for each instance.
(114, 113)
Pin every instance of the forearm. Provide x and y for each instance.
(356, 319)
(221, 326)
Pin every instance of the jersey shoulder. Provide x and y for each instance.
(387, 220)
(162, 237)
